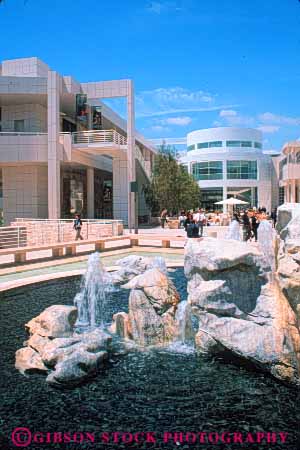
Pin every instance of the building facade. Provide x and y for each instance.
(287, 167)
(229, 162)
(62, 150)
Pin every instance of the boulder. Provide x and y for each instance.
(158, 288)
(237, 311)
(77, 368)
(292, 229)
(28, 361)
(70, 360)
(153, 303)
(285, 213)
(134, 265)
(61, 349)
(121, 325)
(234, 262)
(55, 321)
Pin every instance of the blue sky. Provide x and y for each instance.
(195, 63)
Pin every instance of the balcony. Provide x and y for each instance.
(291, 171)
(103, 137)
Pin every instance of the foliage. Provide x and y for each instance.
(171, 186)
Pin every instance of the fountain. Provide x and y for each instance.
(265, 238)
(234, 231)
(92, 298)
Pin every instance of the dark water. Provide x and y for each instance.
(143, 391)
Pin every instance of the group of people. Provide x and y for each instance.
(249, 220)
(194, 221)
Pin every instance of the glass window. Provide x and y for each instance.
(215, 144)
(257, 145)
(246, 144)
(19, 126)
(209, 144)
(233, 143)
(281, 195)
(191, 147)
(209, 170)
(242, 170)
(238, 144)
(202, 145)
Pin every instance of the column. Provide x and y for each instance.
(130, 154)
(53, 91)
(90, 193)
(293, 191)
(224, 166)
(120, 189)
(253, 196)
(224, 198)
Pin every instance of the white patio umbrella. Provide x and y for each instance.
(231, 201)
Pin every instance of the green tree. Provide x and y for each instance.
(171, 186)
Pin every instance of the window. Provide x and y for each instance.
(202, 145)
(233, 143)
(246, 144)
(281, 195)
(19, 126)
(242, 170)
(209, 144)
(257, 145)
(191, 147)
(238, 144)
(209, 170)
(215, 144)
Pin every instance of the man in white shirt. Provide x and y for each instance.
(200, 220)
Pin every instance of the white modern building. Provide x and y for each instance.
(62, 150)
(229, 162)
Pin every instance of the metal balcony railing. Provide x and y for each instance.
(98, 137)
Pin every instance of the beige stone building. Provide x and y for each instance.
(63, 150)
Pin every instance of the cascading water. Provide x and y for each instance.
(92, 298)
(265, 238)
(234, 231)
(159, 262)
(184, 342)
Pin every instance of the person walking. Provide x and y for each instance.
(246, 227)
(188, 220)
(274, 216)
(201, 221)
(163, 217)
(77, 227)
(254, 225)
(192, 230)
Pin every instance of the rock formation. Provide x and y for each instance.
(54, 348)
(133, 265)
(153, 302)
(238, 311)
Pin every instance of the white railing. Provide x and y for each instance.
(98, 137)
(13, 237)
(16, 133)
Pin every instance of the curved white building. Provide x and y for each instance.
(229, 162)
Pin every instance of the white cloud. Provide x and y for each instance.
(268, 128)
(180, 121)
(238, 120)
(277, 119)
(163, 101)
(159, 129)
(227, 113)
(155, 7)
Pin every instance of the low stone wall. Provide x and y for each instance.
(40, 233)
